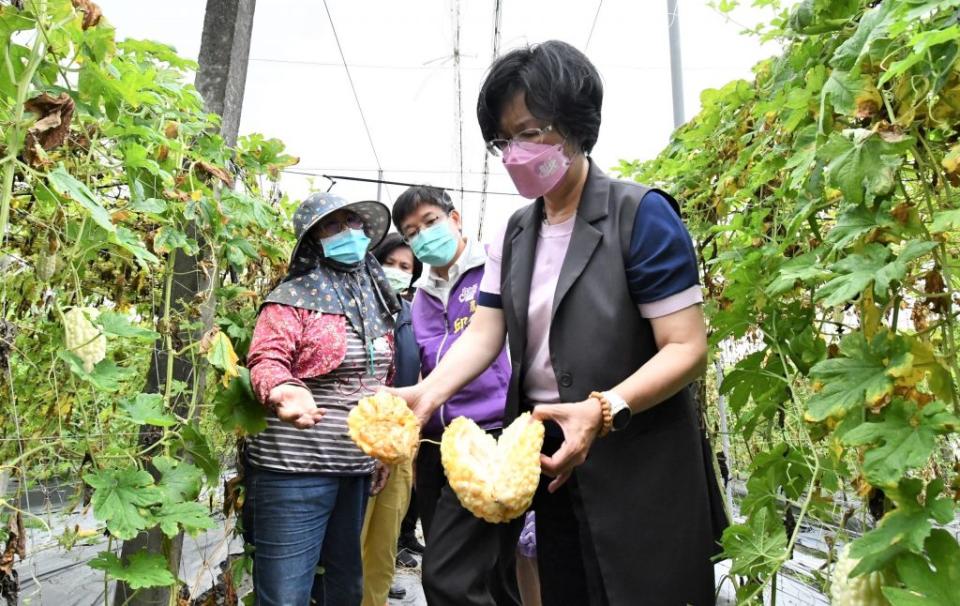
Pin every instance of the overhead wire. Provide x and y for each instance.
(350, 169)
(497, 20)
(335, 178)
(593, 25)
(458, 91)
(356, 97)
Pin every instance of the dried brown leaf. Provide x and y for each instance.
(215, 171)
(207, 340)
(51, 128)
(91, 12)
(16, 543)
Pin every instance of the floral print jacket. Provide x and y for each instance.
(291, 344)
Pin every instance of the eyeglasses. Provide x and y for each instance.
(331, 226)
(428, 222)
(497, 147)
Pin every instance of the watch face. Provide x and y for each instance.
(621, 418)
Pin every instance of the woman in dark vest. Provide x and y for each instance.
(595, 286)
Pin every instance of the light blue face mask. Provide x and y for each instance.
(435, 245)
(399, 280)
(348, 247)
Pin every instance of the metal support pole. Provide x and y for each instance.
(676, 62)
(724, 433)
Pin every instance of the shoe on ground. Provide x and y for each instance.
(397, 593)
(410, 543)
(405, 559)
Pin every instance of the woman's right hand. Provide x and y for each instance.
(295, 405)
(421, 401)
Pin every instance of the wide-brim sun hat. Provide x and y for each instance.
(317, 206)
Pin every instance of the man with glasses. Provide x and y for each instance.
(464, 556)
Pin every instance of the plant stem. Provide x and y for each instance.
(13, 464)
(15, 134)
(106, 579)
(941, 257)
(168, 338)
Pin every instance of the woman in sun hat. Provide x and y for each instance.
(323, 340)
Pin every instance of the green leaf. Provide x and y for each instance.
(119, 498)
(147, 409)
(130, 242)
(199, 448)
(783, 471)
(192, 517)
(142, 570)
(872, 26)
(148, 49)
(897, 270)
(863, 374)
(153, 206)
(804, 269)
(945, 220)
(861, 164)
(899, 67)
(842, 90)
(903, 529)
(169, 238)
(119, 325)
(903, 440)
(873, 264)
(854, 274)
(239, 251)
(237, 407)
(64, 184)
(106, 375)
(926, 587)
(179, 480)
(136, 156)
(754, 380)
(756, 547)
(852, 223)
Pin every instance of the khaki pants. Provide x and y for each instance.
(381, 527)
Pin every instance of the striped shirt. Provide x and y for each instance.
(326, 447)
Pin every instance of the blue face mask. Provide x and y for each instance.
(435, 245)
(348, 247)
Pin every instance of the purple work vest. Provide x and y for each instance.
(436, 329)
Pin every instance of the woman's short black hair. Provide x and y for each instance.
(411, 199)
(392, 242)
(560, 85)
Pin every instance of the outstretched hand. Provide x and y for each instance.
(295, 405)
(420, 401)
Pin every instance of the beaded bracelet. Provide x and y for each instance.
(606, 412)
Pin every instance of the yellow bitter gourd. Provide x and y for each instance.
(494, 480)
(384, 427)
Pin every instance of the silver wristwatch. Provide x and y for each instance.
(619, 409)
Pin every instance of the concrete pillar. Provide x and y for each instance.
(221, 79)
(224, 52)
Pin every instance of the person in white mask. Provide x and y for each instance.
(382, 523)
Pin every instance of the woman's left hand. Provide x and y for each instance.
(381, 473)
(580, 423)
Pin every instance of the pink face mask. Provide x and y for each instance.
(536, 168)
